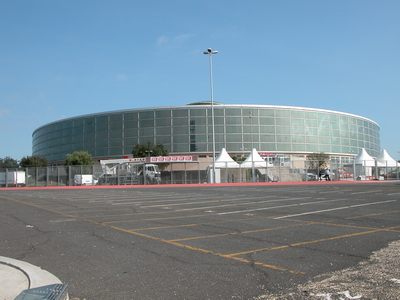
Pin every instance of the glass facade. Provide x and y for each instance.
(188, 129)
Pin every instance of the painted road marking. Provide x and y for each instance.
(241, 204)
(162, 240)
(332, 209)
(174, 242)
(177, 204)
(196, 224)
(199, 202)
(315, 241)
(366, 192)
(241, 232)
(370, 215)
(279, 206)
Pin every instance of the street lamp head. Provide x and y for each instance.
(209, 51)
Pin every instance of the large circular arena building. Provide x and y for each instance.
(188, 129)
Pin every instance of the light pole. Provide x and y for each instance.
(149, 152)
(210, 52)
(252, 147)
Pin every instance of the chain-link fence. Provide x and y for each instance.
(201, 172)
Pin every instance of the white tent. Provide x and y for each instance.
(364, 159)
(225, 168)
(362, 165)
(258, 165)
(255, 158)
(385, 160)
(224, 160)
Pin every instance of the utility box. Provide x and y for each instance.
(48, 292)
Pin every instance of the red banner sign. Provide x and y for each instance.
(266, 153)
(137, 159)
(168, 159)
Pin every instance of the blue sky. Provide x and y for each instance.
(65, 58)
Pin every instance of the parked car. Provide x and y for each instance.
(393, 175)
(309, 177)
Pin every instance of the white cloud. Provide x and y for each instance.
(121, 77)
(161, 40)
(4, 111)
(183, 37)
(165, 41)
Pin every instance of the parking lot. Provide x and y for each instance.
(202, 242)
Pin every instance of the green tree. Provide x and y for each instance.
(79, 158)
(8, 163)
(149, 149)
(33, 161)
(317, 161)
(238, 159)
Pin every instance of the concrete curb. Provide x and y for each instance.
(16, 276)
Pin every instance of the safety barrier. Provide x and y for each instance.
(201, 172)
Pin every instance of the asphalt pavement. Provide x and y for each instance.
(314, 240)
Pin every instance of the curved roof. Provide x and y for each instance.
(205, 103)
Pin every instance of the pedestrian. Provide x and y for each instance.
(327, 175)
(320, 174)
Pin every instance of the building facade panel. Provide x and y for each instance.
(188, 129)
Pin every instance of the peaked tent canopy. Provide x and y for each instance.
(255, 158)
(364, 159)
(224, 161)
(385, 160)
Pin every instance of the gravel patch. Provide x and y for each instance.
(376, 278)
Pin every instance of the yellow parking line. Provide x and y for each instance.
(158, 239)
(211, 252)
(377, 214)
(235, 233)
(154, 219)
(313, 241)
(97, 211)
(263, 265)
(328, 222)
(196, 224)
(339, 225)
(131, 214)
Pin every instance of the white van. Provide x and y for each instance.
(85, 180)
(12, 178)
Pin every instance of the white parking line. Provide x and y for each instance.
(168, 200)
(279, 206)
(331, 209)
(198, 202)
(245, 203)
(367, 192)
